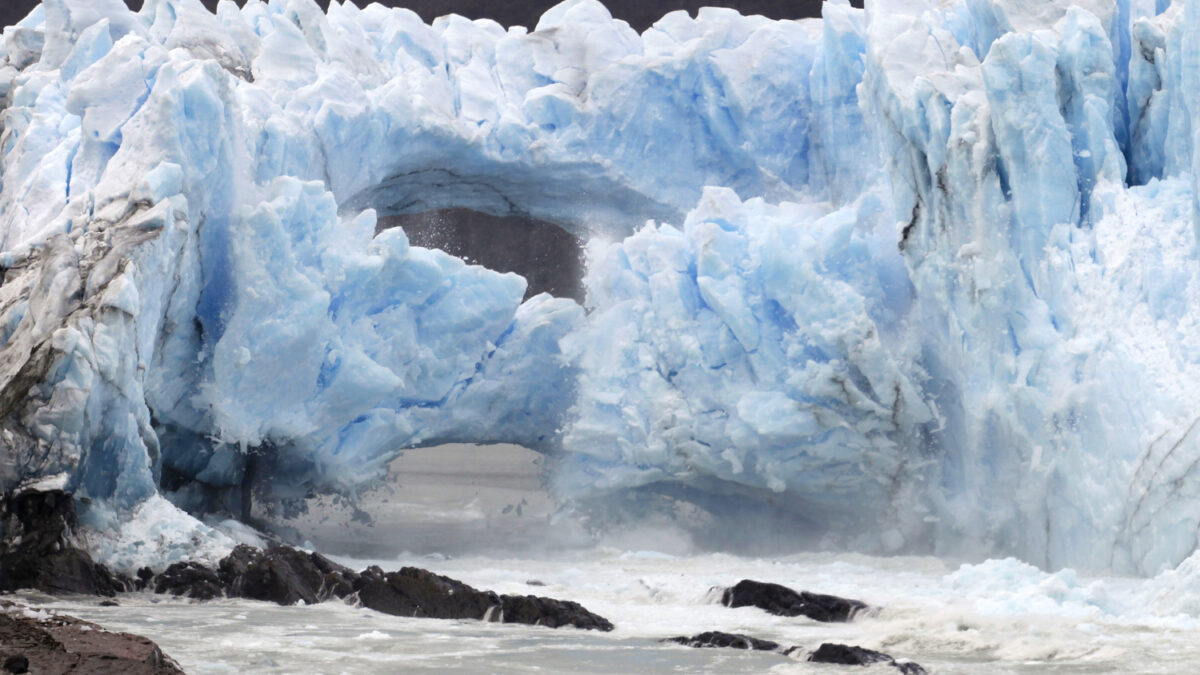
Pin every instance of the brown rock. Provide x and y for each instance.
(59, 644)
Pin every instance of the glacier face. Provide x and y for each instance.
(922, 273)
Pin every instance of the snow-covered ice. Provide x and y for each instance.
(923, 274)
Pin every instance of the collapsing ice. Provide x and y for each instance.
(944, 299)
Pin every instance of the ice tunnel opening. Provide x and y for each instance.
(453, 499)
(462, 499)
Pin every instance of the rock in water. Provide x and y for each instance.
(783, 601)
(282, 575)
(730, 640)
(144, 576)
(540, 611)
(416, 592)
(40, 642)
(190, 579)
(38, 548)
(285, 575)
(826, 653)
(858, 656)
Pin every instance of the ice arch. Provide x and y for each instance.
(894, 314)
(217, 287)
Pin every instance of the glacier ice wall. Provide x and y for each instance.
(922, 274)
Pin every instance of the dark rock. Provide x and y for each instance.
(416, 592)
(189, 579)
(909, 668)
(109, 603)
(539, 611)
(284, 575)
(726, 640)
(783, 601)
(337, 581)
(846, 655)
(274, 576)
(38, 549)
(858, 656)
(144, 575)
(63, 644)
(281, 575)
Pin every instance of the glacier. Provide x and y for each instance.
(923, 274)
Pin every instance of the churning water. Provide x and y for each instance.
(449, 504)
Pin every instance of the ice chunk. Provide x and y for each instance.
(735, 348)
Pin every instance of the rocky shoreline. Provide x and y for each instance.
(39, 550)
(49, 643)
(288, 576)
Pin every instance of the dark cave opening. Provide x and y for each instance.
(550, 258)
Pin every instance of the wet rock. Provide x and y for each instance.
(190, 580)
(412, 591)
(717, 639)
(38, 548)
(284, 575)
(783, 601)
(40, 642)
(539, 611)
(144, 575)
(337, 581)
(858, 656)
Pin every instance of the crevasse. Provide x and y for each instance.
(923, 274)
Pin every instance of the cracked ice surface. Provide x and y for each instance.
(923, 274)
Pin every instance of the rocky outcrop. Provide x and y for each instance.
(416, 592)
(38, 548)
(783, 601)
(831, 653)
(188, 579)
(38, 551)
(857, 656)
(542, 611)
(288, 576)
(413, 591)
(718, 639)
(283, 575)
(36, 641)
